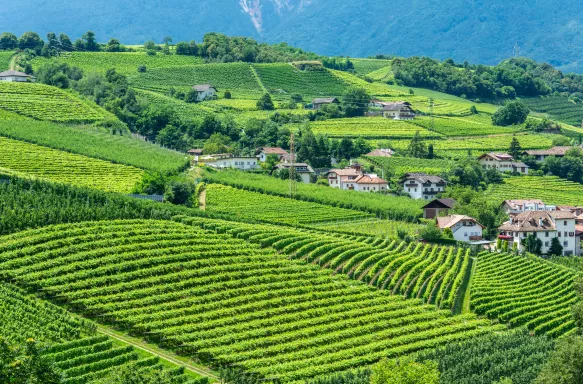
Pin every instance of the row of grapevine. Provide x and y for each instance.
(558, 108)
(371, 226)
(43, 102)
(46, 163)
(524, 290)
(5, 58)
(225, 300)
(371, 128)
(88, 141)
(474, 125)
(386, 207)
(401, 165)
(550, 189)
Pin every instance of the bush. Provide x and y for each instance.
(511, 114)
(142, 68)
(265, 103)
(228, 94)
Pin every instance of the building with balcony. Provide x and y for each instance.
(502, 162)
(464, 228)
(519, 206)
(400, 110)
(422, 186)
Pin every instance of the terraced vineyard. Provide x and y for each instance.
(376, 89)
(256, 206)
(89, 141)
(366, 66)
(64, 167)
(524, 291)
(187, 112)
(474, 125)
(123, 62)
(286, 79)
(235, 77)
(550, 189)
(370, 128)
(401, 165)
(224, 300)
(43, 102)
(558, 108)
(371, 227)
(383, 74)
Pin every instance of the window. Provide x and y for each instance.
(546, 234)
(558, 234)
(564, 222)
(546, 243)
(565, 243)
(565, 234)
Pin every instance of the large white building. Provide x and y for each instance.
(464, 228)
(422, 186)
(204, 92)
(15, 76)
(224, 161)
(541, 154)
(518, 206)
(545, 225)
(400, 110)
(264, 152)
(353, 179)
(502, 162)
(302, 169)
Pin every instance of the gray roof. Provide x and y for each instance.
(449, 203)
(325, 100)
(203, 87)
(422, 178)
(295, 165)
(395, 106)
(13, 73)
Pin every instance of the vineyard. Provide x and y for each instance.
(376, 89)
(558, 108)
(5, 58)
(370, 128)
(286, 79)
(475, 125)
(89, 141)
(224, 300)
(398, 166)
(383, 74)
(371, 227)
(43, 102)
(366, 66)
(187, 112)
(387, 207)
(524, 291)
(235, 77)
(123, 62)
(550, 189)
(64, 167)
(256, 206)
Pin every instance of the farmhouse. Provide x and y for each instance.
(464, 228)
(422, 186)
(545, 225)
(518, 206)
(353, 179)
(383, 152)
(197, 153)
(225, 160)
(281, 153)
(318, 103)
(502, 162)
(400, 110)
(15, 76)
(541, 154)
(437, 207)
(302, 169)
(204, 92)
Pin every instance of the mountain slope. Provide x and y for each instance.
(478, 31)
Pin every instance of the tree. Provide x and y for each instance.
(228, 94)
(167, 40)
(113, 45)
(265, 103)
(533, 244)
(561, 141)
(216, 143)
(65, 42)
(515, 148)
(191, 96)
(430, 154)
(430, 232)
(565, 365)
(556, 248)
(512, 113)
(26, 365)
(90, 43)
(404, 371)
(134, 374)
(297, 98)
(183, 48)
(150, 45)
(355, 101)
(52, 40)
(8, 41)
(31, 40)
(417, 147)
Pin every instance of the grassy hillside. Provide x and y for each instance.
(42, 102)
(371, 128)
(5, 57)
(557, 108)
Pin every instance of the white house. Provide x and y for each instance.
(353, 179)
(518, 206)
(400, 110)
(502, 162)
(422, 186)
(302, 169)
(15, 76)
(541, 154)
(464, 228)
(545, 225)
(224, 161)
(281, 153)
(204, 92)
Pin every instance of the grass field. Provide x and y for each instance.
(474, 125)
(5, 57)
(366, 66)
(42, 102)
(123, 62)
(372, 227)
(50, 164)
(370, 128)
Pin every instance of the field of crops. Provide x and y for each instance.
(474, 125)
(43, 102)
(5, 57)
(89, 141)
(383, 74)
(64, 167)
(524, 291)
(187, 112)
(124, 62)
(398, 166)
(235, 77)
(383, 206)
(550, 189)
(225, 300)
(366, 66)
(372, 227)
(557, 108)
(370, 128)
(286, 79)
(376, 89)
(256, 206)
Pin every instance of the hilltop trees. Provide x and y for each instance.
(8, 41)
(31, 40)
(512, 113)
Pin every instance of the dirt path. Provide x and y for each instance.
(154, 351)
(12, 65)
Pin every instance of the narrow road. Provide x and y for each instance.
(164, 356)
(12, 65)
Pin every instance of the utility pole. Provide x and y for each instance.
(516, 50)
(431, 114)
(293, 186)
